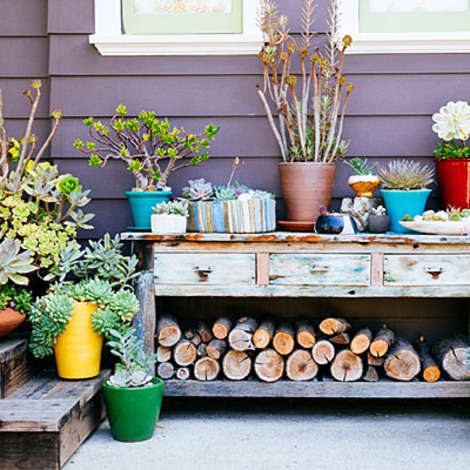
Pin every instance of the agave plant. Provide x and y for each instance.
(406, 175)
(14, 263)
(361, 166)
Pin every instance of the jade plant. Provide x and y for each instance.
(406, 175)
(148, 146)
(100, 274)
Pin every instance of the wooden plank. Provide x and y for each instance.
(377, 270)
(145, 321)
(262, 269)
(11, 347)
(15, 373)
(286, 389)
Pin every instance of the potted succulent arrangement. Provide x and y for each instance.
(310, 107)
(232, 208)
(452, 125)
(170, 217)
(133, 396)
(405, 190)
(363, 182)
(92, 295)
(379, 221)
(150, 149)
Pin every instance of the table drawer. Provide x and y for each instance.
(426, 270)
(319, 269)
(197, 268)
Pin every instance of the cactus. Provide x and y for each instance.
(406, 175)
(14, 263)
(198, 190)
(361, 167)
(172, 208)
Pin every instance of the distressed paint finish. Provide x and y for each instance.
(319, 270)
(427, 270)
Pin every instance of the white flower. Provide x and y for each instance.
(453, 121)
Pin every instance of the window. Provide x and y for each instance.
(176, 27)
(407, 26)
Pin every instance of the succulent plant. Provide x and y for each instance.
(361, 167)
(225, 193)
(198, 190)
(406, 175)
(18, 299)
(172, 208)
(14, 263)
(380, 210)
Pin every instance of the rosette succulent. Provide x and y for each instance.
(406, 175)
(452, 122)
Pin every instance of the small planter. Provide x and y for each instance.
(399, 203)
(133, 412)
(169, 224)
(78, 349)
(379, 223)
(336, 224)
(364, 185)
(142, 204)
(254, 216)
(454, 181)
(10, 320)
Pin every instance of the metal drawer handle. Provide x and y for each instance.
(319, 269)
(203, 273)
(435, 272)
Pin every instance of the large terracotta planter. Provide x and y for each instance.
(306, 186)
(454, 181)
(10, 320)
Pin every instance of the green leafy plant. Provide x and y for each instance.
(14, 263)
(172, 208)
(18, 299)
(406, 175)
(149, 147)
(446, 150)
(361, 166)
(135, 366)
(101, 275)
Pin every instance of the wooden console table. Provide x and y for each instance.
(285, 264)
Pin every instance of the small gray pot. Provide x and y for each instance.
(379, 223)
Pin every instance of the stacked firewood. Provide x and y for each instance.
(270, 351)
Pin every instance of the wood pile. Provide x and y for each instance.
(270, 351)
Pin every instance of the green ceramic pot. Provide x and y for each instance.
(133, 412)
(142, 204)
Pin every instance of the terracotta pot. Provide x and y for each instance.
(454, 181)
(10, 320)
(305, 187)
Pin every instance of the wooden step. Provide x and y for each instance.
(44, 422)
(15, 365)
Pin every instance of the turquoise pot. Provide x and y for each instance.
(399, 203)
(142, 204)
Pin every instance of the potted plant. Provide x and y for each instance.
(363, 182)
(170, 217)
(92, 295)
(310, 106)
(452, 125)
(379, 221)
(133, 396)
(405, 190)
(150, 149)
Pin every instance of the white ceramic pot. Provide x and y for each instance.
(163, 224)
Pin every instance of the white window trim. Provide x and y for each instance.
(109, 40)
(390, 43)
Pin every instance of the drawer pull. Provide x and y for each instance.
(319, 269)
(203, 273)
(435, 272)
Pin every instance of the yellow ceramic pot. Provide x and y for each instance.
(364, 185)
(78, 349)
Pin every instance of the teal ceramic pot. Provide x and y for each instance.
(142, 204)
(399, 203)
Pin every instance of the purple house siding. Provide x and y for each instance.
(388, 116)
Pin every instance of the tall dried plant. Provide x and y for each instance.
(311, 105)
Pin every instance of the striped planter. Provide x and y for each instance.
(256, 216)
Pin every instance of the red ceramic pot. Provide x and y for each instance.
(454, 181)
(10, 320)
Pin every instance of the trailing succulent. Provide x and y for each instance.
(104, 276)
(406, 175)
(135, 366)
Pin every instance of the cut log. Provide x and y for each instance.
(192, 336)
(241, 337)
(269, 365)
(361, 341)
(382, 342)
(402, 362)
(165, 370)
(375, 361)
(333, 326)
(236, 365)
(206, 369)
(305, 336)
(343, 338)
(323, 352)
(183, 373)
(347, 366)
(168, 331)
(429, 369)
(371, 375)
(204, 332)
(201, 350)
(163, 354)
(300, 366)
(451, 354)
(264, 334)
(221, 328)
(184, 353)
(216, 348)
(284, 339)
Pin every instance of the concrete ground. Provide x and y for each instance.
(290, 435)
